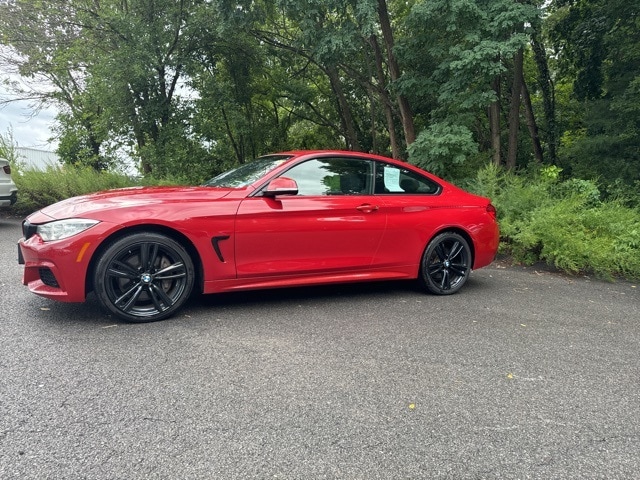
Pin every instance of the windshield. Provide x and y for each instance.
(248, 173)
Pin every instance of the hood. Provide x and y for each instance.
(131, 198)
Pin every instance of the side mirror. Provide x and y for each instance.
(281, 186)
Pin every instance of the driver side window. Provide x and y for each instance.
(332, 176)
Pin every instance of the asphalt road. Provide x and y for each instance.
(523, 374)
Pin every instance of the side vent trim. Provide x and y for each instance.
(215, 241)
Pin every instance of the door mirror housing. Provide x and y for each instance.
(281, 186)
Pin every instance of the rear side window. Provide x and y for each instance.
(391, 179)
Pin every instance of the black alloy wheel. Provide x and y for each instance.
(446, 264)
(144, 277)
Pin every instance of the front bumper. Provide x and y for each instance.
(58, 269)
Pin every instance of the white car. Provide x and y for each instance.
(8, 189)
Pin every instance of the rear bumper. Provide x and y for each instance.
(8, 200)
(487, 241)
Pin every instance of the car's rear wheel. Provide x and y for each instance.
(144, 277)
(446, 263)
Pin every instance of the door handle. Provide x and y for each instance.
(367, 208)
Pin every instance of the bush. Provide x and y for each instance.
(563, 223)
(576, 237)
(37, 189)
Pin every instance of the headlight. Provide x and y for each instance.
(64, 228)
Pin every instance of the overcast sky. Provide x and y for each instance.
(28, 130)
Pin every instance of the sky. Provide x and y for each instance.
(30, 129)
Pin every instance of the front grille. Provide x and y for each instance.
(48, 278)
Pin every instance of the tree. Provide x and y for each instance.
(351, 42)
(114, 67)
(514, 108)
(480, 43)
(547, 89)
(323, 35)
(597, 44)
(47, 50)
(143, 48)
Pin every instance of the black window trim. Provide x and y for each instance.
(259, 192)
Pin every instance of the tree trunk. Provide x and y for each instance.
(531, 123)
(494, 123)
(514, 110)
(394, 72)
(372, 122)
(237, 146)
(346, 118)
(548, 97)
(388, 112)
(141, 142)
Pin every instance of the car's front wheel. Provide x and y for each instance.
(446, 263)
(143, 277)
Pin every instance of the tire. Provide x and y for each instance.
(143, 277)
(446, 264)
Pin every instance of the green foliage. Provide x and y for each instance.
(563, 223)
(597, 46)
(40, 188)
(577, 237)
(200, 85)
(178, 158)
(622, 192)
(442, 145)
(467, 45)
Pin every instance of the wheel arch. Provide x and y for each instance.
(179, 237)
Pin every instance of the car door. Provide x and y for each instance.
(332, 225)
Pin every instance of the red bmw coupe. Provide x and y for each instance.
(290, 219)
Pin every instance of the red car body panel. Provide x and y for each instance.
(242, 241)
(305, 235)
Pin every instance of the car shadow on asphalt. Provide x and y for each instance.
(334, 292)
(322, 292)
(90, 314)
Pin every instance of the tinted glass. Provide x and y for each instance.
(332, 176)
(248, 173)
(395, 180)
